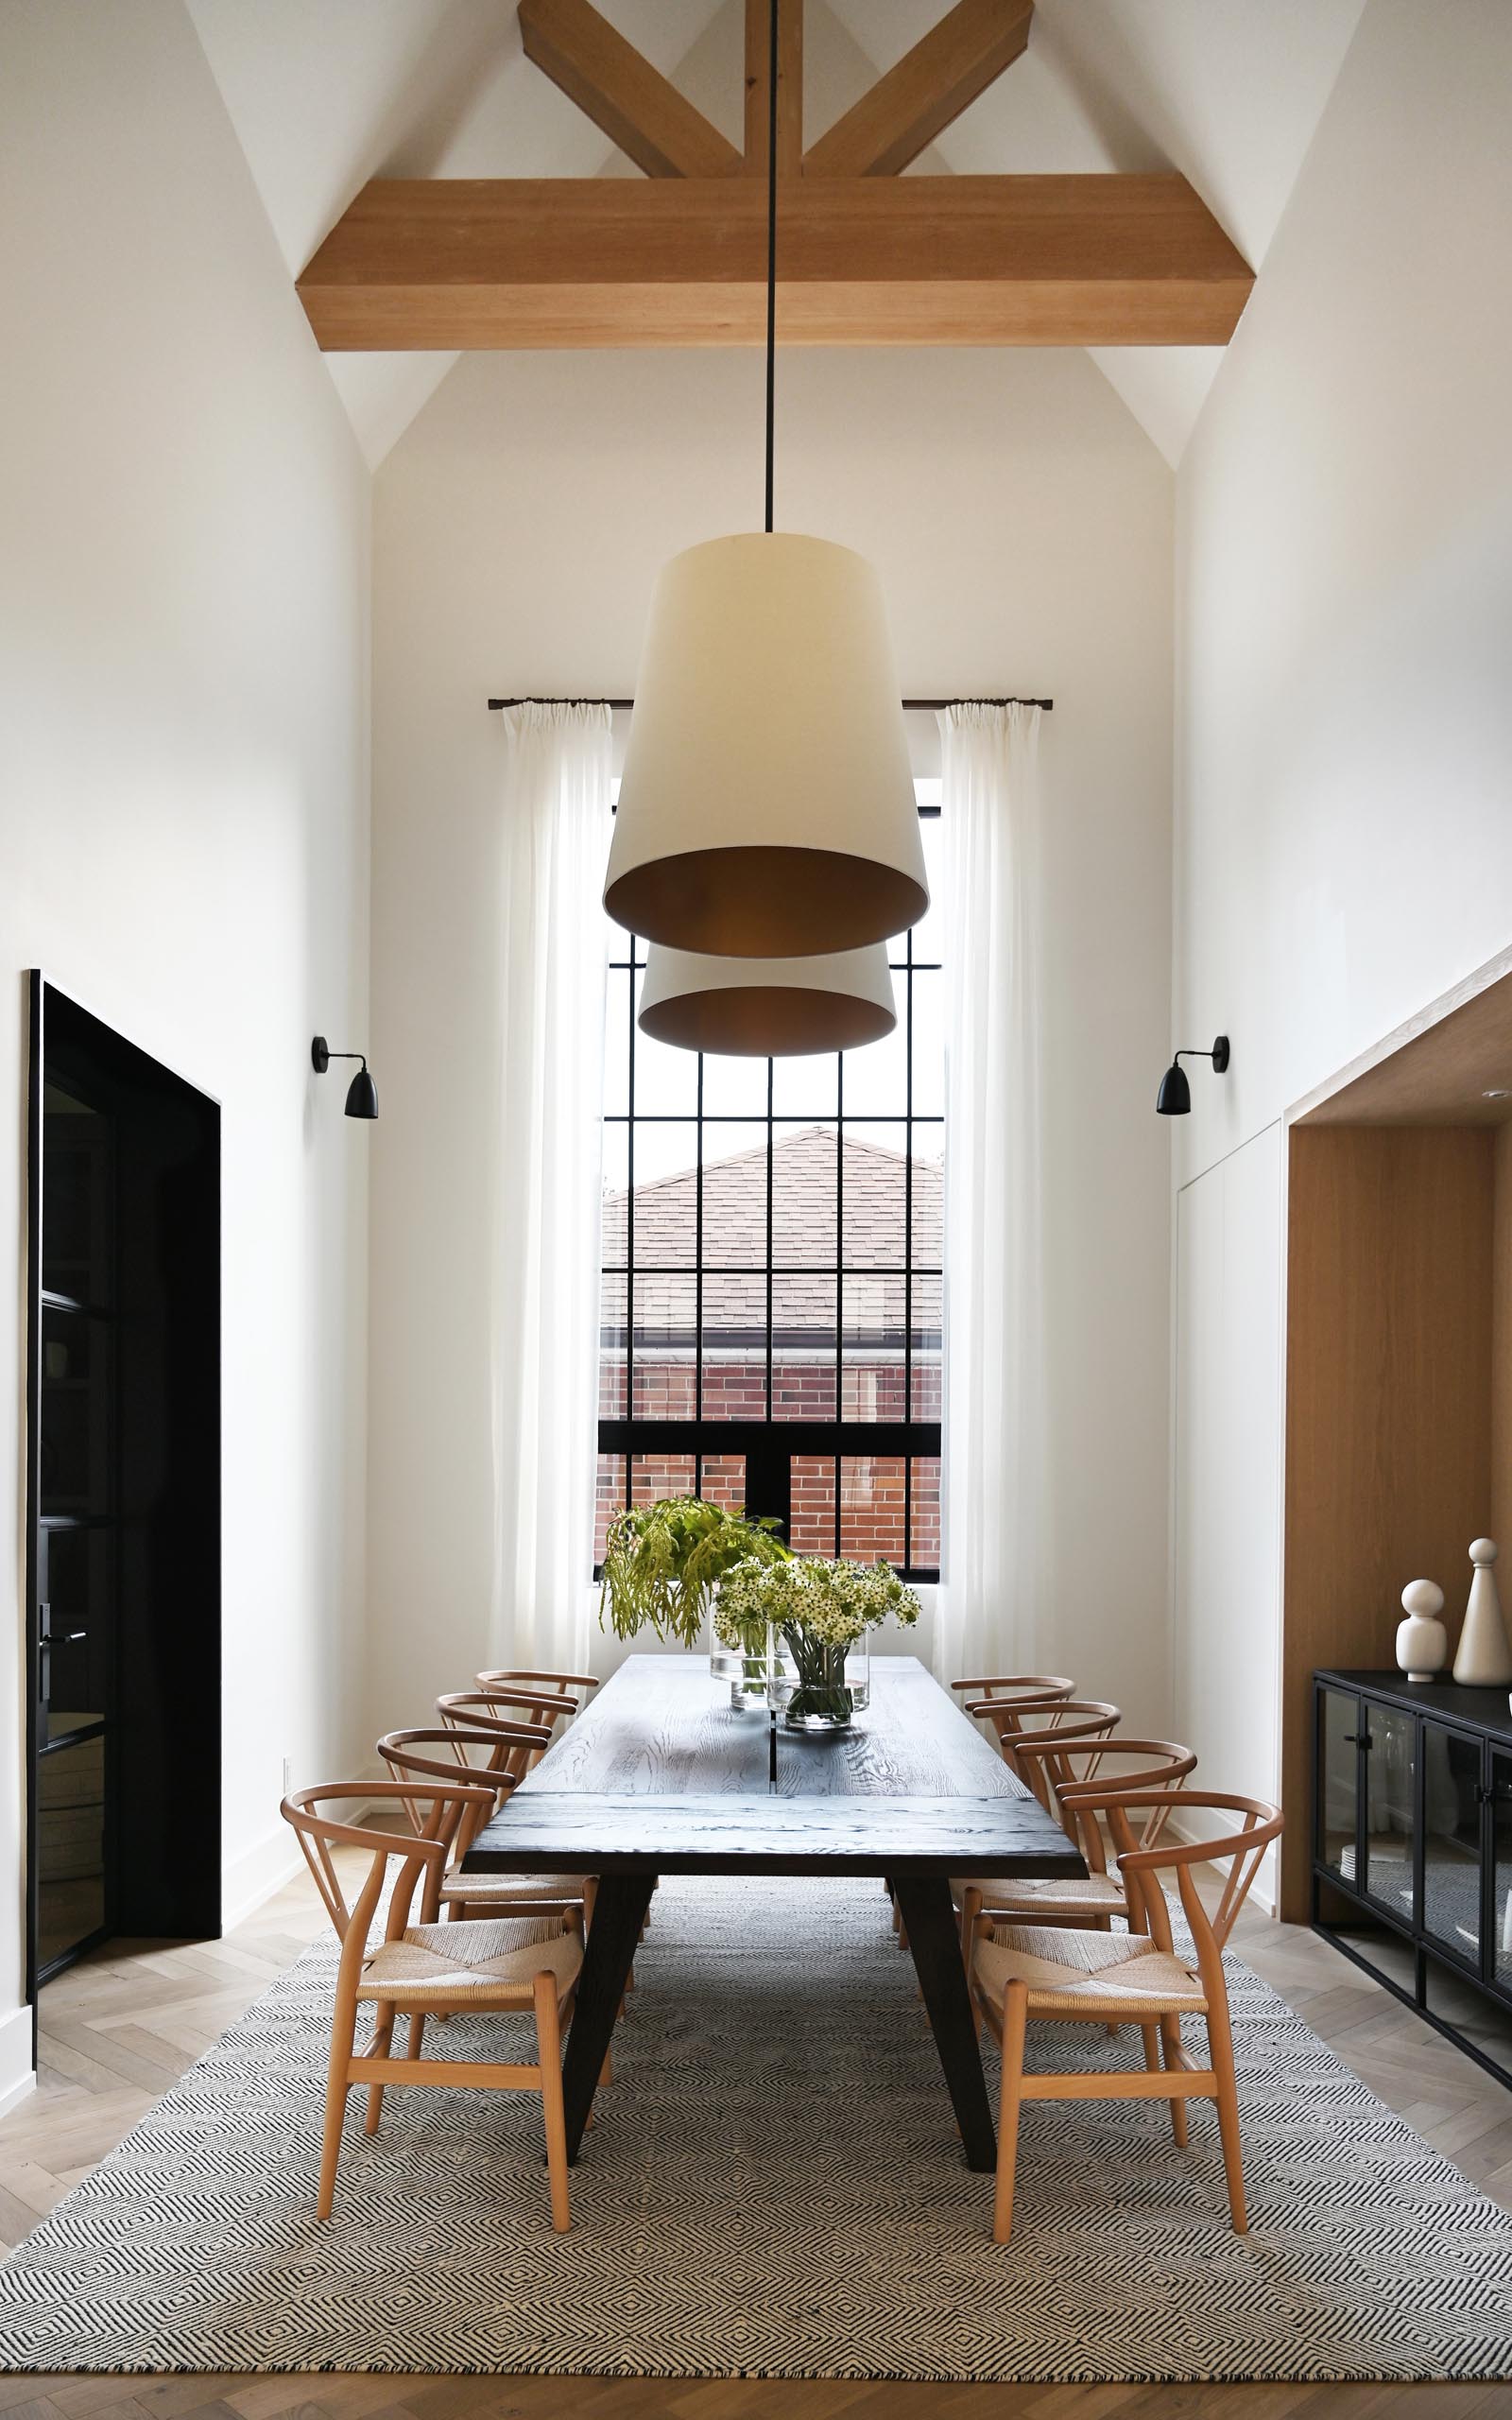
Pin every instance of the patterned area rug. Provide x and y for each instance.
(772, 2186)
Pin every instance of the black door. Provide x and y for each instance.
(123, 1600)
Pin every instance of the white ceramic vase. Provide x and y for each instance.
(1482, 1659)
(1422, 1642)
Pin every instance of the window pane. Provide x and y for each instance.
(876, 1076)
(804, 1164)
(666, 1313)
(926, 1347)
(734, 1347)
(723, 1481)
(616, 1196)
(803, 1342)
(617, 1043)
(929, 1196)
(873, 1334)
(928, 934)
(734, 1087)
(805, 1087)
(654, 1475)
(871, 1509)
(734, 1196)
(810, 1529)
(925, 1546)
(875, 1173)
(666, 1080)
(612, 1298)
(608, 1494)
(929, 1045)
(667, 1195)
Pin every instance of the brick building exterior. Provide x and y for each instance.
(852, 1336)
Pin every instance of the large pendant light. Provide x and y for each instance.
(766, 808)
(761, 1007)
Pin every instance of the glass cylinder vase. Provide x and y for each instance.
(816, 1686)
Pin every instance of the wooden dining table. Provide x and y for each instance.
(660, 1775)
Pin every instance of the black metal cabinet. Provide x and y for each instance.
(1412, 1847)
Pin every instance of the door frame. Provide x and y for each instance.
(139, 1063)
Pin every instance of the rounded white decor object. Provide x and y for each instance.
(1483, 1657)
(1422, 1642)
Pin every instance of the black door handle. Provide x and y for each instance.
(1361, 1737)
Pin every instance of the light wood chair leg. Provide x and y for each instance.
(1015, 2023)
(343, 2033)
(383, 2036)
(548, 2041)
(971, 1910)
(1221, 2051)
(1171, 2043)
(417, 2034)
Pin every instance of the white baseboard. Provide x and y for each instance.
(17, 2075)
(250, 1880)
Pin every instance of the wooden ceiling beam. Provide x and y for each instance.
(789, 86)
(612, 83)
(566, 262)
(931, 85)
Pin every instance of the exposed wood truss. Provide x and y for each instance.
(865, 257)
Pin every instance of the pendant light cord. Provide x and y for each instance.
(771, 265)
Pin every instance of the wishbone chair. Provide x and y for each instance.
(528, 1718)
(577, 1686)
(1134, 1977)
(513, 1967)
(1068, 1718)
(1017, 1689)
(476, 1758)
(1077, 1771)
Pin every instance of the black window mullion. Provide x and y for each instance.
(698, 1273)
(771, 1088)
(629, 1225)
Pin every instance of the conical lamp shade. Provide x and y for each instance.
(760, 1008)
(1174, 1099)
(766, 808)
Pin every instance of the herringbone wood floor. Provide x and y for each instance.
(119, 2029)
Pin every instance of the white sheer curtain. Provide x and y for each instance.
(988, 1606)
(546, 1162)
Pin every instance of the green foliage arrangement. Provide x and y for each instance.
(663, 1561)
(821, 1608)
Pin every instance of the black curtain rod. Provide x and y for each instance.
(910, 705)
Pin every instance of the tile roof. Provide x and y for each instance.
(804, 1194)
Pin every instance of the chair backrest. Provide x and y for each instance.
(424, 1853)
(577, 1685)
(1068, 1717)
(512, 1712)
(1016, 1688)
(477, 1757)
(1074, 1771)
(1234, 1852)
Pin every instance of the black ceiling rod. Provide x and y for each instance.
(910, 705)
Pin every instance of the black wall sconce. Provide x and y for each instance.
(362, 1093)
(1174, 1099)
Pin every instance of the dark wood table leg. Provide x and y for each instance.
(933, 1936)
(619, 1912)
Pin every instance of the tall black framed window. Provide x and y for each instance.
(772, 1290)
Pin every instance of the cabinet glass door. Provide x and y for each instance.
(1390, 1793)
(1501, 1961)
(1338, 1817)
(1452, 1839)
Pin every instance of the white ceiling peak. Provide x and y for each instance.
(325, 93)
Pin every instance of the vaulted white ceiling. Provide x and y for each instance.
(325, 93)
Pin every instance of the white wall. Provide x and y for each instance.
(183, 677)
(1022, 524)
(1344, 739)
